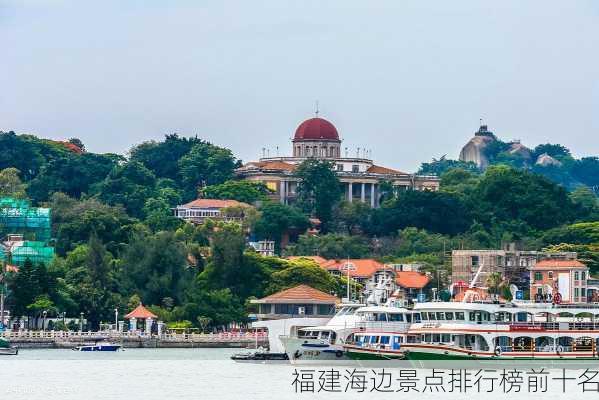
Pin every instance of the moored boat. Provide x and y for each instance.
(6, 349)
(98, 347)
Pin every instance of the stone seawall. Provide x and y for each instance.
(141, 343)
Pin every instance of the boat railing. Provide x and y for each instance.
(383, 325)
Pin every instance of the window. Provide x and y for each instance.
(440, 316)
(576, 292)
(339, 167)
(446, 338)
(538, 276)
(431, 316)
(355, 168)
(423, 316)
(583, 275)
(576, 276)
(550, 274)
(396, 317)
(474, 261)
(472, 316)
(583, 292)
(459, 315)
(449, 316)
(374, 339)
(436, 338)
(385, 339)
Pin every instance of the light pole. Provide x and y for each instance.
(44, 313)
(2, 289)
(81, 322)
(116, 319)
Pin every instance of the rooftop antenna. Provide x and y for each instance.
(358, 153)
(277, 151)
(263, 152)
(346, 152)
(268, 153)
(316, 111)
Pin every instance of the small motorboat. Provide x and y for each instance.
(260, 356)
(6, 349)
(98, 347)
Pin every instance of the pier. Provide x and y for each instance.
(70, 339)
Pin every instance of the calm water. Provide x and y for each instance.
(191, 374)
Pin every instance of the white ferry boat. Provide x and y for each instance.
(474, 331)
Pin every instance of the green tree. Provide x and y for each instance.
(277, 219)
(11, 185)
(331, 246)
(554, 150)
(244, 191)
(352, 217)
(319, 189)
(128, 185)
(443, 164)
(204, 165)
(304, 272)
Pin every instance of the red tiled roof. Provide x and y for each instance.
(360, 268)
(301, 293)
(558, 264)
(377, 169)
(411, 279)
(141, 312)
(214, 203)
(275, 165)
(12, 268)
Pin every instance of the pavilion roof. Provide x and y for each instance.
(141, 312)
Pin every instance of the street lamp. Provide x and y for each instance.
(44, 313)
(80, 322)
(116, 319)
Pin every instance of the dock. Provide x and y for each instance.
(70, 339)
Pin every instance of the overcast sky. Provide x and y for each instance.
(407, 79)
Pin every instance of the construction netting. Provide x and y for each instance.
(36, 252)
(19, 217)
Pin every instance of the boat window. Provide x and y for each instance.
(431, 316)
(436, 338)
(324, 335)
(423, 316)
(415, 317)
(449, 316)
(385, 339)
(427, 338)
(440, 316)
(472, 316)
(381, 317)
(397, 339)
(374, 339)
(446, 338)
(485, 316)
(396, 317)
(366, 339)
(459, 315)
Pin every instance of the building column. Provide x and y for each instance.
(363, 193)
(283, 191)
(350, 192)
(372, 200)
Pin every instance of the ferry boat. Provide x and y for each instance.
(487, 331)
(104, 346)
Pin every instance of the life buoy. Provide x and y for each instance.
(557, 298)
(497, 351)
(338, 354)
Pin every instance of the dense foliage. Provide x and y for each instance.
(118, 243)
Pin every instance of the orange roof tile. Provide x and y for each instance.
(360, 268)
(377, 169)
(214, 203)
(270, 165)
(141, 312)
(411, 279)
(558, 264)
(301, 293)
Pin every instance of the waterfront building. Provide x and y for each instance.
(283, 313)
(360, 176)
(566, 277)
(141, 313)
(403, 284)
(513, 265)
(264, 247)
(199, 210)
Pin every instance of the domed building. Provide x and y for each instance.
(318, 138)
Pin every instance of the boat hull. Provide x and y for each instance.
(9, 351)
(306, 351)
(104, 347)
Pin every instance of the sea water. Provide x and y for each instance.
(150, 374)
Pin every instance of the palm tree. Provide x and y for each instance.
(494, 281)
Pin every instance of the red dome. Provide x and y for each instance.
(316, 129)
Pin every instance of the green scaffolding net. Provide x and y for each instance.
(25, 232)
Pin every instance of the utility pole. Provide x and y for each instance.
(2, 290)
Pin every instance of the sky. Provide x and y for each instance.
(409, 80)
